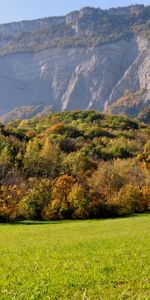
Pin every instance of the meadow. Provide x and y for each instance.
(87, 260)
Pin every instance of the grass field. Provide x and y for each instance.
(97, 259)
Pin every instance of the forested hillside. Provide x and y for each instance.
(74, 165)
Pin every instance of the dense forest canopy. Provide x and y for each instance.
(78, 164)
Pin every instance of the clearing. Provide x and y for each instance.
(87, 260)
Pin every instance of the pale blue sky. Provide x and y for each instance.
(15, 10)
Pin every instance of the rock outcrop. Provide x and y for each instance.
(71, 64)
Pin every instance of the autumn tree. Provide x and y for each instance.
(35, 200)
(5, 161)
(59, 207)
(31, 158)
(79, 201)
(50, 159)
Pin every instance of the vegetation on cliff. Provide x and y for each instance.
(85, 28)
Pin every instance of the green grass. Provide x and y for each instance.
(96, 259)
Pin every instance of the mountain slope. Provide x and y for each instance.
(85, 60)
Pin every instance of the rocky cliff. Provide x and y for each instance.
(85, 60)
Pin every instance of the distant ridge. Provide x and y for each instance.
(88, 59)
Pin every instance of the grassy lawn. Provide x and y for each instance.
(96, 259)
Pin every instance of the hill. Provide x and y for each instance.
(80, 164)
(87, 59)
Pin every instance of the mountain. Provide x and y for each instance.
(89, 59)
(27, 112)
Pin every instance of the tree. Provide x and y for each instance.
(31, 158)
(79, 202)
(59, 207)
(128, 200)
(35, 200)
(50, 159)
(109, 178)
(78, 164)
(10, 196)
(5, 161)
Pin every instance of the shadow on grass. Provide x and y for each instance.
(33, 223)
(59, 222)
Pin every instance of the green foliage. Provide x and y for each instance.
(5, 161)
(77, 164)
(79, 202)
(128, 200)
(50, 159)
(88, 160)
(31, 157)
(36, 198)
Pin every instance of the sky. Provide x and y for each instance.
(16, 10)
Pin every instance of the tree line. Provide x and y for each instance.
(74, 165)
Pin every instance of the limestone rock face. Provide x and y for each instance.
(73, 77)
(137, 76)
(67, 78)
